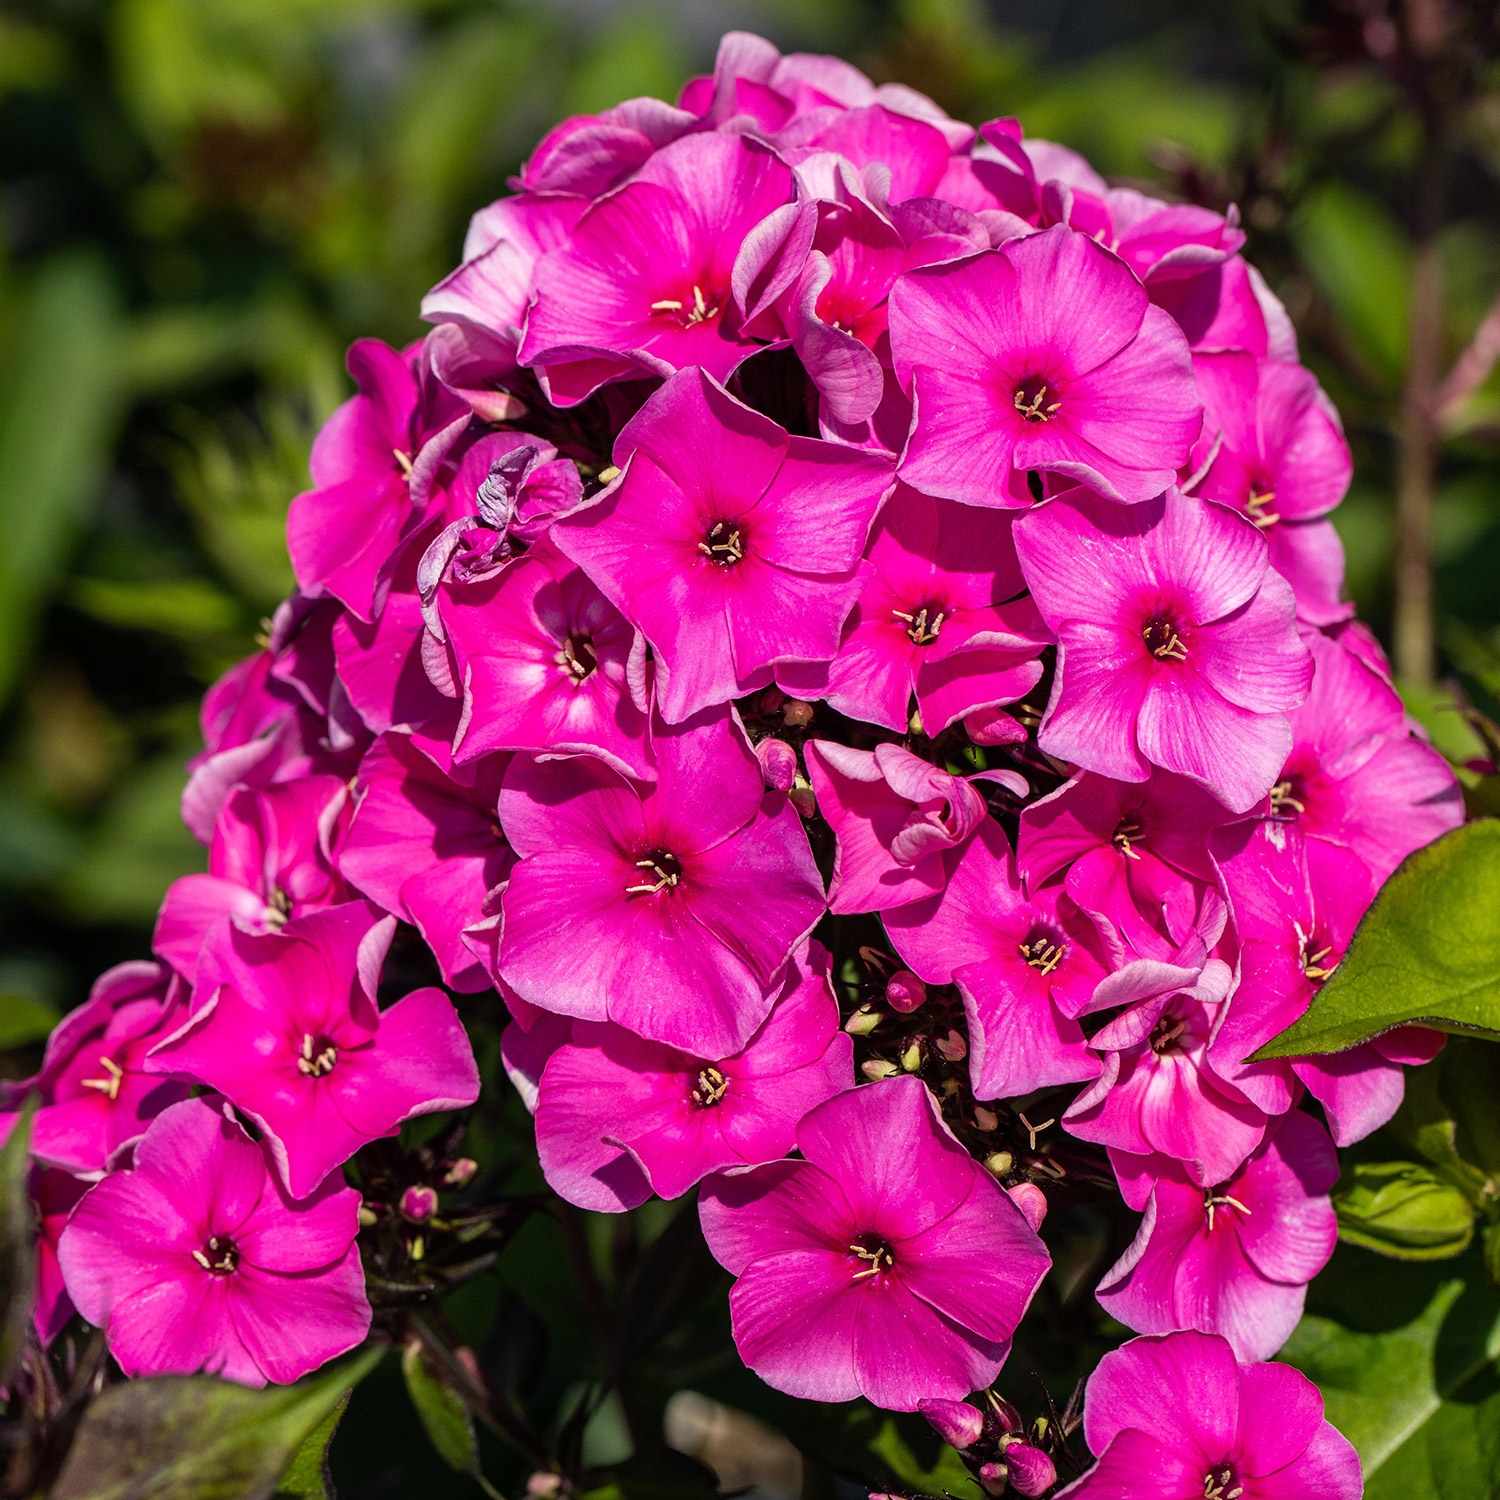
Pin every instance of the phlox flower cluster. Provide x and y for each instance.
(837, 622)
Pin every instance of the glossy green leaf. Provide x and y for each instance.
(200, 1438)
(1427, 1124)
(1428, 951)
(307, 1476)
(23, 1020)
(1408, 1373)
(444, 1412)
(17, 1252)
(1405, 1211)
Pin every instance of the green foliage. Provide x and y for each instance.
(1404, 1211)
(23, 1020)
(307, 1477)
(17, 1252)
(198, 1438)
(1427, 950)
(444, 1413)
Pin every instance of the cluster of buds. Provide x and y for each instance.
(995, 1444)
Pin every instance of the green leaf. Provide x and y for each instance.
(307, 1476)
(1427, 1124)
(1405, 1211)
(444, 1413)
(17, 1241)
(23, 1020)
(1428, 951)
(199, 1438)
(1408, 1374)
(58, 413)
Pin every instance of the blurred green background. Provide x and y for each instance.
(203, 201)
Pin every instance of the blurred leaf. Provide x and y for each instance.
(23, 1020)
(196, 1437)
(638, 56)
(1363, 266)
(947, 1476)
(661, 1474)
(189, 607)
(1438, 712)
(58, 412)
(31, 57)
(17, 1241)
(445, 1414)
(307, 1475)
(1427, 1123)
(138, 849)
(1427, 950)
(1419, 1400)
(1402, 1210)
(35, 847)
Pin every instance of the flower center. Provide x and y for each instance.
(922, 627)
(1043, 949)
(875, 1252)
(724, 543)
(710, 1088)
(1219, 1484)
(109, 1085)
(1217, 1198)
(1162, 639)
(1318, 958)
(1257, 507)
(1165, 1034)
(317, 1057)
(1128, 833)
(219, 1256)
(661, 872)
(699, 310)
(1031, 400)
(1288, 800)
(577, 658)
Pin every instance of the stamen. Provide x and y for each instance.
(874, 1250)
(700, 312)
(319, 1066)
(723, 544)
(1124, 837)
(1255, 508)
(404, 459)
(666, 869)
(1035, 1130)
(1216, 1482)
(1033, 409)
(1042, 955)
(1211, 1201)
(1165, 1032)
(667, 304)
(219, 1255)
(1282, 799)
(110, 1086)
(577, 658)
(921, 627)
(1313, 966)
(711, 1087)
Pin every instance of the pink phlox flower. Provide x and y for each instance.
(1160, 1090)
(1135, 853)
(1272, 448)
(645, 283)
(911, 154)
(1164, 242)
(895, 817)
(729, 544)
(95, 1096)
(342, 531)
(544, 659)
(1006, 379)
(943, 616)
(620, 1118)
(1025, 962)
(1356, 775)
(273, 857)
(1177, 1416)
(285, 1026)
(427, 847)
(1233, 1258)
(670, 908)
(54, 1195)
(887, 1263)
(1229, 306)
(197, 1260)
(1177, 643)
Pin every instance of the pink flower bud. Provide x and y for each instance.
(1031, 1200)
(952, 1047)
(992, 726)
(956, 1422)
(797, 714)
(905, 991)
(418, 1204)
(804, 800)
(461, 1173)
(1031, 1471)
(1007, 1418)
(994, 1478)
(778, 764)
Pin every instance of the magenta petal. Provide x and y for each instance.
(1143, 1386)
(292, 1324)
(749, 1214)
